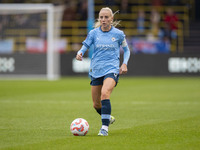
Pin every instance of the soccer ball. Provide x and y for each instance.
(79, 127)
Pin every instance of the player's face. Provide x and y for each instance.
(105, 19)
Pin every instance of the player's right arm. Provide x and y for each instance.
(86, 45)
(81, 52)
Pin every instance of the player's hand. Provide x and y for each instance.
(79, 56)
(123, 69)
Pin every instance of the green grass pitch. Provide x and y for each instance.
(151, 114)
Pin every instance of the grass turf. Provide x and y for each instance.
(151, 113)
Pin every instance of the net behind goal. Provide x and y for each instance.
(29, 34)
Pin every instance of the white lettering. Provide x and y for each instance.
(183, 65)
(7, 64)
(81, 66)
(105, 46)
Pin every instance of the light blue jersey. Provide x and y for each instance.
(106, 55)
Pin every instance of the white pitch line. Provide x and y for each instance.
(88, 101)
(165, 103)
(42, 101)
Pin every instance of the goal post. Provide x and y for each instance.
(52, 66)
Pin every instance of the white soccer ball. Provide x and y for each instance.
(79, 127)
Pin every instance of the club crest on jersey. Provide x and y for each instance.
(113, 39)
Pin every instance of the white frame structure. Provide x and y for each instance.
(51, 67)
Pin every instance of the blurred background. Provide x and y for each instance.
(163, 36)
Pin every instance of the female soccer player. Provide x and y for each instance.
(104, 67)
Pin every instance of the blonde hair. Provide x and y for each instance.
(114, 23)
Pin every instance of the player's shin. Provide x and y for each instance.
(105, 113)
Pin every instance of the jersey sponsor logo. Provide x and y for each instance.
(105, 46)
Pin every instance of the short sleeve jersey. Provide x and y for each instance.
(106, 55)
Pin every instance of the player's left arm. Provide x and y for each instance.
(124, 68)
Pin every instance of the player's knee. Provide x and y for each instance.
(105, 94)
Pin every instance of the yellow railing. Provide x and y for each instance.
(76, 31)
